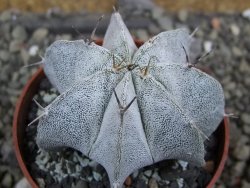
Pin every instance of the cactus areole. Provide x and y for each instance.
(125, 107)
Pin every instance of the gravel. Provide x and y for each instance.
(227, 34)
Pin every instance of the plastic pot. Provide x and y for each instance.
(21, 116)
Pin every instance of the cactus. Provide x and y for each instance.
(125, 107)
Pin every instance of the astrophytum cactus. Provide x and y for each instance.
(125, 107)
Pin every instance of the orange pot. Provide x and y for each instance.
(20, 123)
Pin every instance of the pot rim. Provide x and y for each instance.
(18, 108)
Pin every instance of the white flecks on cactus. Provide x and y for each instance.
(127, 108)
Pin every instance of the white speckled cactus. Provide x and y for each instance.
(127, 108)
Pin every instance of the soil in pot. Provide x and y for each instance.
(69, 168)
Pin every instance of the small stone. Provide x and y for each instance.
(81, 184)
(246, 14)
(15, 46)
(180, 182)
(230, 86)
(7, 180)
(141, 184)
(242, 152)
(245, 184)
(40, 182)
(213, 35)
(156, 176)
(40, 34)
(64, 37)
(238, 168)
(221, 186)
(4, 55)
(152, 183)
(142, 34)
(237, 52)
(238, 93)
(207, 45)
(48, 98)
(157, 12)
(25, 56)
(93, 164)
(244, 67)
(148, 173)
(235, 29)
(23, 183)
(78, 168)
(183, 15)
(246, 118)
(209, 166)
(84, 162)
(5, 16)
(6, 150)
(19, 33)
(153, 29)
(128, 181)
(33, 50)
(165, 23)
(246, 129)
(97, 176)
(215, 22)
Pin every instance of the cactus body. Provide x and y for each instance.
(176, 107)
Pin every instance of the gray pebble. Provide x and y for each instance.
(93, 164)
(247, 81)
(48, 98)
(153, 29)
(246, 129)
(213, 35)
(40, 182)
(19, 33)
(246, 13)
(235, 29)
(4, 55)
(25, 56)
(64, 37)
(142, 34)
(245, 184)
(242, 152)
(157, 12)
(238, 168)
(245, 118)
(40, 34)
(165, 23)
(156, 176)
(81, 184)
(244, 67)
(230, 86)
(7, 180)
(148, 173)
(15, 46)
(152, 183)
(5, 16)
(23, 183)
(183, 15)
(237, 52)
(97, 176)
(6, 150)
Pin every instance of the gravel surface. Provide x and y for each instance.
(228, 36)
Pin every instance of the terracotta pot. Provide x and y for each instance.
(20, 122)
